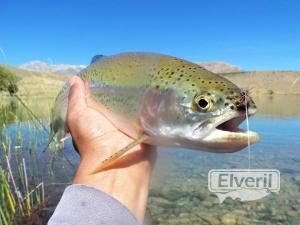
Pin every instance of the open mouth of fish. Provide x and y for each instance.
(229, 136)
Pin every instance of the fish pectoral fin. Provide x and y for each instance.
(114, 157)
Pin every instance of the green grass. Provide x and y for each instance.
(18, 199)
(21, 186)
(21, 182)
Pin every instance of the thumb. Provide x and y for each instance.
(77, 96)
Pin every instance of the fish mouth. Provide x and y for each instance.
(228, 137)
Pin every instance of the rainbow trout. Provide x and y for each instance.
(165, 101)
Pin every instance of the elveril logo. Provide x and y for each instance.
(243, 184)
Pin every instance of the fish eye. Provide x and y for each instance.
(203, 103)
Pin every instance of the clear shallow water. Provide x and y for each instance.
(179, 193)
(279, 148)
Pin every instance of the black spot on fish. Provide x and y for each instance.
(187, 79)
(232, 107)
(193, 84)
(221, 89)
(226, 104)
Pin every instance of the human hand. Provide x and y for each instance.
(96, 138)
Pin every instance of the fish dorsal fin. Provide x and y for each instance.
(97, 58)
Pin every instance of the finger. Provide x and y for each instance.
(77, 96)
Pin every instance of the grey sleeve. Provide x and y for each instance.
(85, 205)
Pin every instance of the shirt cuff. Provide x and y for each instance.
(81, 204)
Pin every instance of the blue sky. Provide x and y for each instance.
(252, 34)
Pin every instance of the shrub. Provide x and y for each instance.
(8, 80)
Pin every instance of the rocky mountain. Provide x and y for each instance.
(41, 66)
(219, 67)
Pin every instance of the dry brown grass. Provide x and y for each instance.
(42, 84)
(268, 82)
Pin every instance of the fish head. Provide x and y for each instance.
(220, 113)
(200, 115)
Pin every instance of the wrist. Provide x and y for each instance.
(129, 185)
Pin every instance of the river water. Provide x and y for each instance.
(179, 189)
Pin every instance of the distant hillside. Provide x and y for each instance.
(41, 66)
(219, 67)
(268, 88)
(38, 83)
(268, 82)
(259, 82)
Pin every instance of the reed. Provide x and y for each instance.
(21, 185)
(24, 128)
(18, 197)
